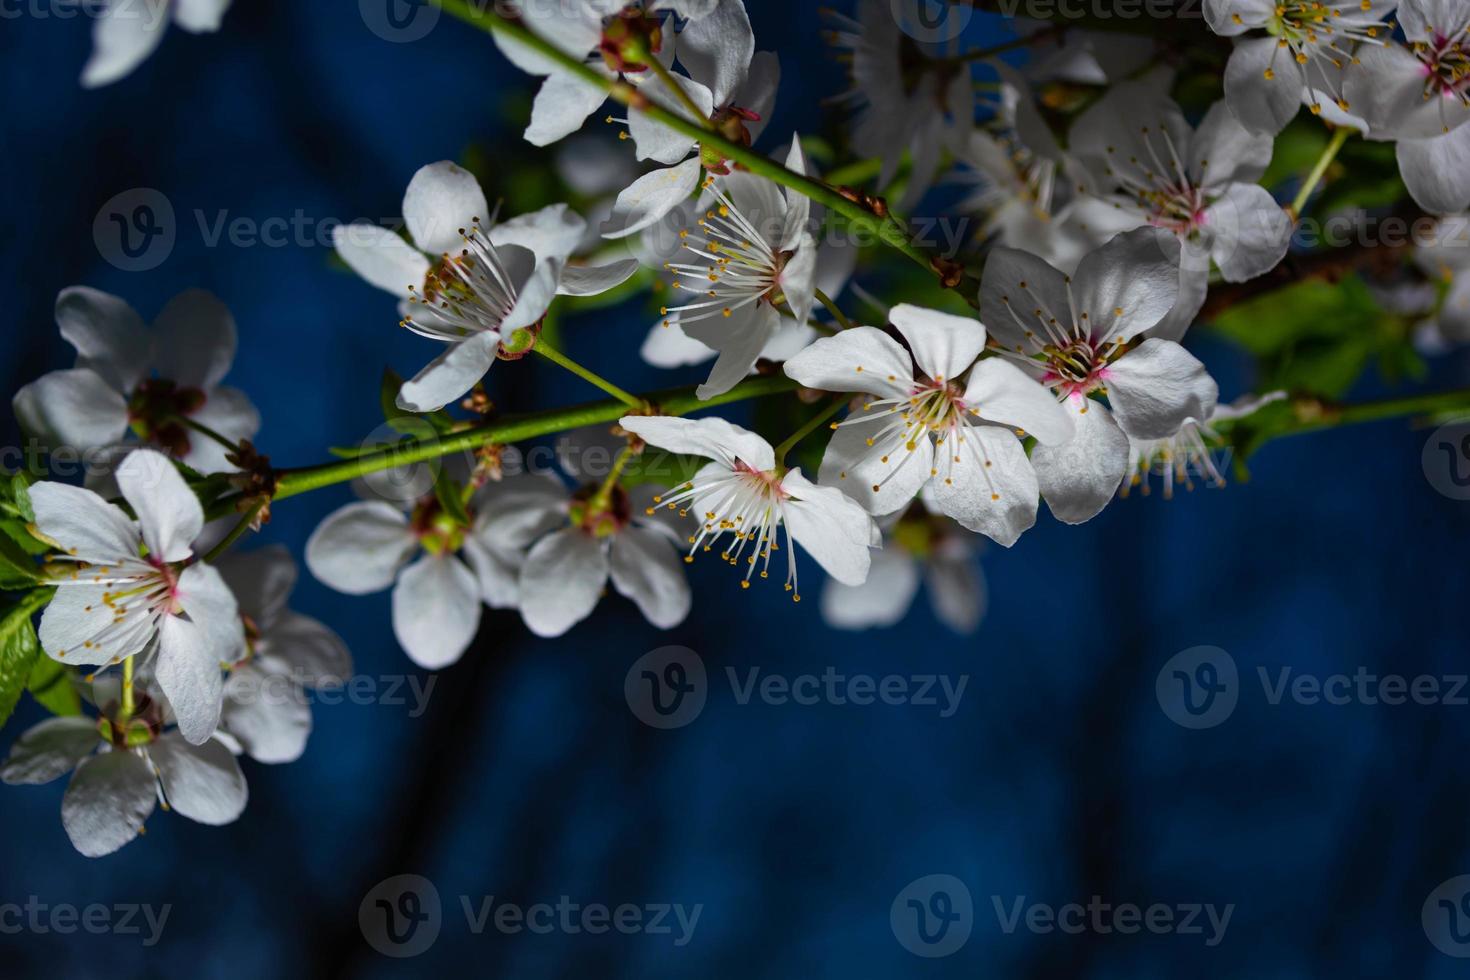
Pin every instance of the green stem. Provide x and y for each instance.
(205, 430)
(833, 309)
(1434, 404)
(811, 426)
(667, 77)
(557, 357)
(679, 401)
(884, 231)
(128, 704)
(236, 533)
(1329, 153)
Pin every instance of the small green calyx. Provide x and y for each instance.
(438, 532)
(630, 41)
(601, 512)
(520, 342)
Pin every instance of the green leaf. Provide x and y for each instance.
(17, 569)
(19, 648)
(51, 685)
(19, 533)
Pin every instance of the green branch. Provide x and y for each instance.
(885, 229)
(680, 401)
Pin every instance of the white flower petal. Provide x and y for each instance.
(986, 483)
(830, 526)
(561, 581)
(944, 345)
(108, 335)
(436, 610)
(317, 655)
(201, 782)
(75, 409)
(646, 568)
(650, 197)
(1129, 284)
(381, 257)
(169, 514)
(590, 280)
(861, 359)
(554, 232)
(200, 16)
(883, 600)
(1001, 392)
(1154, 388)
(208, 602)
(1079, 477)
(79, 628)
(1262, 104)
(1251, 232)
(196, 340)
(956, 591)
(739, 338)
(49, 750)
(1223, 151)
(668, 346)
(107, 802)
(651, 138)
(798, 279)
(1019, 293)
(188, 670)
(1435, 172)
(718, 49)
(441, 199)
(563, 103)
(712, 438)
(123, 36)
(268, 715)
(882, 477)
(451, 374)
(359, 548)
(85, 526)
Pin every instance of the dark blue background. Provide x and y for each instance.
(795, 827)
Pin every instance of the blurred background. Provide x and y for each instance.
(526, 777)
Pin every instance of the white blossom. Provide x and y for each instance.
(935, 418)
(465, 282)
(1078, 334)
(742, 499)
(133, 381)
(114, 599)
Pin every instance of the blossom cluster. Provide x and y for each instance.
(1052, 368)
